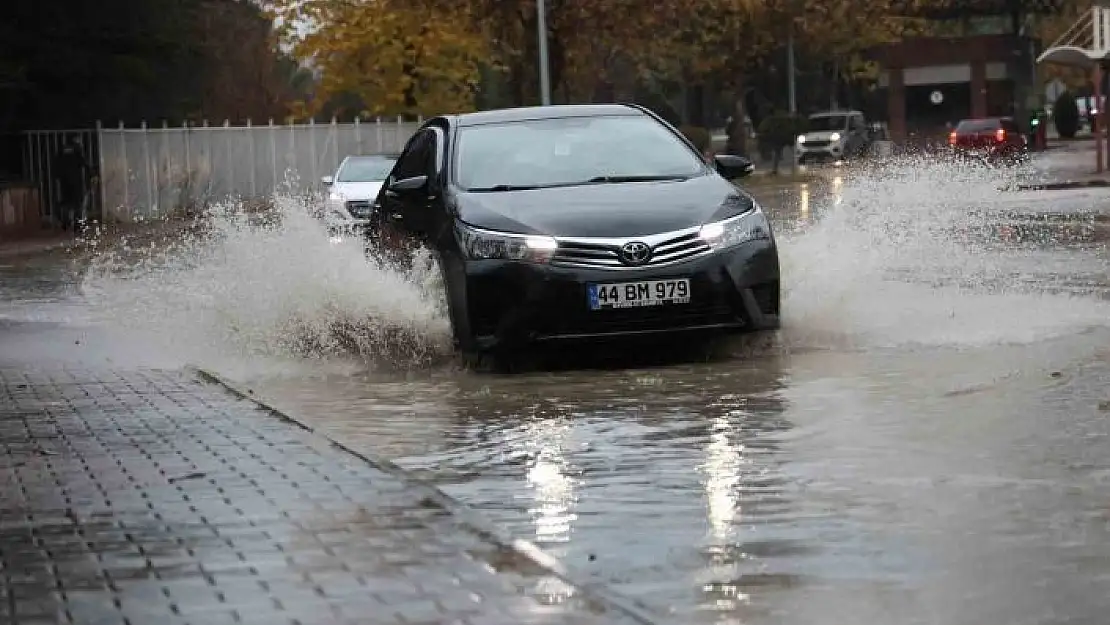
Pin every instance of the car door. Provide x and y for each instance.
(408, 215)
(411, 163)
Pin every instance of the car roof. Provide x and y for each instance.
(532, 113)
(834, 113)
(986, 119)
(374, 156)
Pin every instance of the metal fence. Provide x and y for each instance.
(39, 149)
(147, 172)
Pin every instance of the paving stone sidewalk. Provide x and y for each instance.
(152, 497)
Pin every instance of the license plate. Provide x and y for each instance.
(636, 294)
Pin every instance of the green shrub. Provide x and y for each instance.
(1065, 115)
(780, 130)
(697, 135)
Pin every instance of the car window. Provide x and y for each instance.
(365, 169)
(826, 123)
(857, 122)
(573, 150)
(1010, 126)
(417, 157)
(977, 125)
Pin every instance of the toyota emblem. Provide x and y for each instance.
(635, 253)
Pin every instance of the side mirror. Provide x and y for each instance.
(328, 181)
(731, 166)
(408, 185)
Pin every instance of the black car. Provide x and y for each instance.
(564, 223)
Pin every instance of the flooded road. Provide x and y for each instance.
(927, 440)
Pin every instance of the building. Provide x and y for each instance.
(931, 82)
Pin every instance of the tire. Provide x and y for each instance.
(471, 355)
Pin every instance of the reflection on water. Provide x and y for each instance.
(552, 489)
(724, 458)
(722, 475)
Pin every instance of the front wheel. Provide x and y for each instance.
(463, 339)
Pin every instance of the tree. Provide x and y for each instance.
(1065, 115)
(718, 42)
(846, 31)
(244, 77)
(396, 56)
(778, 131)
(71, 62)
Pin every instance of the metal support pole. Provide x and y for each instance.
(1098, 121)
(146, 172)
(541, 28)
(790, 72)
(188, 180)
(273, 158)
(126, 208)
(1103, 117)
(251, 147)
(792, 93)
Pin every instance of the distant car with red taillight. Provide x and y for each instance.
(993, 138)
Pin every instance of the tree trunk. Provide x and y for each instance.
(737, 129)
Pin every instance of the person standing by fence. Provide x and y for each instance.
(72, 175)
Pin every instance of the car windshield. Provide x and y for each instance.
(366, 169)
(826, 123)
(570, 151)
(977, 125)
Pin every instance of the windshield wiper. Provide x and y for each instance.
(504, 187)
(595, 180)
(618, 179)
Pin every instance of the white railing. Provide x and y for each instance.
(148, 172)
(1101, 19)
(1090, 32)
(1082, 34)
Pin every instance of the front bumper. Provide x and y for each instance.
(819, 151)
(513, 303)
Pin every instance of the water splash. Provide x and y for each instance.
(270, 283)
(906, 255)
(901, 255)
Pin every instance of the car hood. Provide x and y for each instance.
(357, 190)
(606, 210)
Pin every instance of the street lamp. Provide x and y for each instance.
(541, 27)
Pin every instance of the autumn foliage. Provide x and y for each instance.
(428, 56)
(401, 56)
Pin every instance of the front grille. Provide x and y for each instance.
(651, 318)
(816, 144)
(589, 254)
(360, 209)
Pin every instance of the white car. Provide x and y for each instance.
(833, 136)
(354, 187)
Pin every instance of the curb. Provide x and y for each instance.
(16, 248)
(467, 516)
(1064, 185)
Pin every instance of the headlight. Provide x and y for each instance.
(337, 197)
(480, 244)
(751, 226)
(801, 139)
(834, 136)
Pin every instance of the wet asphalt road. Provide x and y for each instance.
(926, 441)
